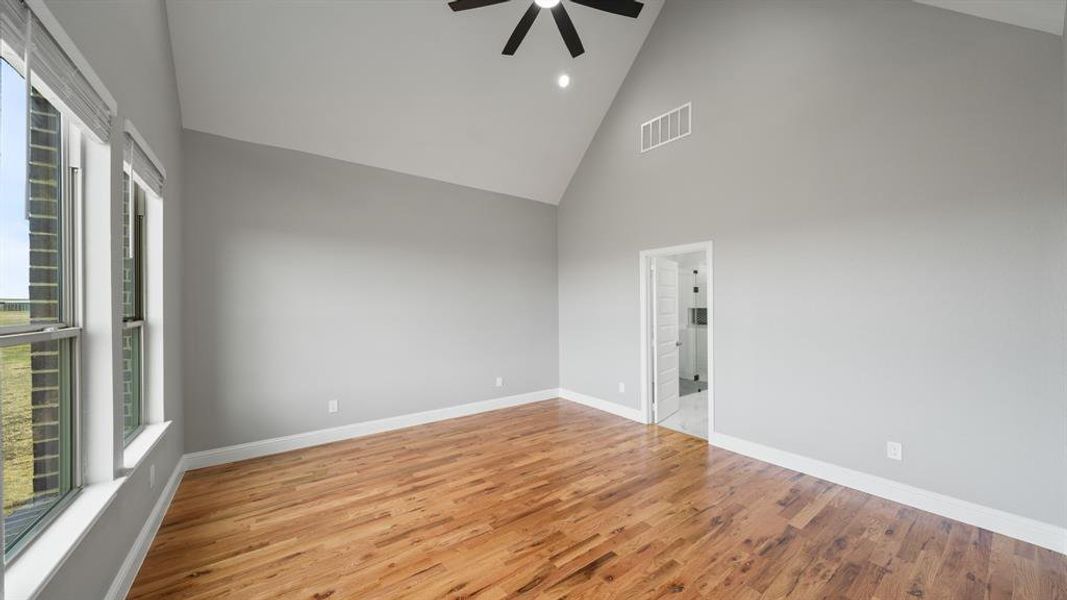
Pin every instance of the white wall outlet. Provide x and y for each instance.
(499, 382)
(151, 477)
(622, 387)
(331, 406)
(894, 450)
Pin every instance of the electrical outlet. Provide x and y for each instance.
(151, 477)
(894, 450)
(332, 406)
(499, 382)
(622, 387)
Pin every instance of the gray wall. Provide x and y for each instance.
(310, 279)
(884, 185)
(127, 43)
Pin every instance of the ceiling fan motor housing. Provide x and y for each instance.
(626, 8)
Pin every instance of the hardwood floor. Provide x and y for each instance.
(555, 500)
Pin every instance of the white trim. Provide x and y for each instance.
(1022, 528)
(603, 405)
(142, 444)
(644, 263)
(50, 22)
(228, 454)
(1015, 526)
(38, 562)
(123, 581)
(1029, 530)
(132, 564)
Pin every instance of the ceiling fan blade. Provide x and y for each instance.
(458, 5)
(521, 29)
(567, 30)
(626, 8)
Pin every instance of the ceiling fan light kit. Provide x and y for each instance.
(626, 8)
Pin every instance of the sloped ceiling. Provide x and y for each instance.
(406, 85)
(1042, 15)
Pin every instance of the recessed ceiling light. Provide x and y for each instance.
(564, 80)
(546, 3)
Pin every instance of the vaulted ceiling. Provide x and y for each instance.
(1042, 15)
(406, 85)
(411, 86)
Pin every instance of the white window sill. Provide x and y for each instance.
(35, 565)
(142, 445)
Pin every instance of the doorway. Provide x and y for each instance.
(676, 326)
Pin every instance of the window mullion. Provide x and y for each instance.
(47, 335)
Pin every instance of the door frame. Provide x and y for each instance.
(644, 267)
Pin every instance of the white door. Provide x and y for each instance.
(665, 338)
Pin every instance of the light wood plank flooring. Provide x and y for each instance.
(555, 500)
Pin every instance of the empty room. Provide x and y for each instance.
(487, 299)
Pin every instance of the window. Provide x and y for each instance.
(38, 336)
(133, 266)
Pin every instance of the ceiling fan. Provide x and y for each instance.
(626, 8)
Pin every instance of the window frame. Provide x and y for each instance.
(135, 197)
(66, 329)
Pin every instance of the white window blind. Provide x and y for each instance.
(142, 164)
(27, 36)
(14, 25)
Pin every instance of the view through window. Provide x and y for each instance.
(132, 305)
(37, 347)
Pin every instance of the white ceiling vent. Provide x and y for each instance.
(666, 128)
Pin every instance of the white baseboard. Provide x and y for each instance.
(633, 414)
(1036, 532)
(123, 581)
(1029, 530)
(228, 454)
